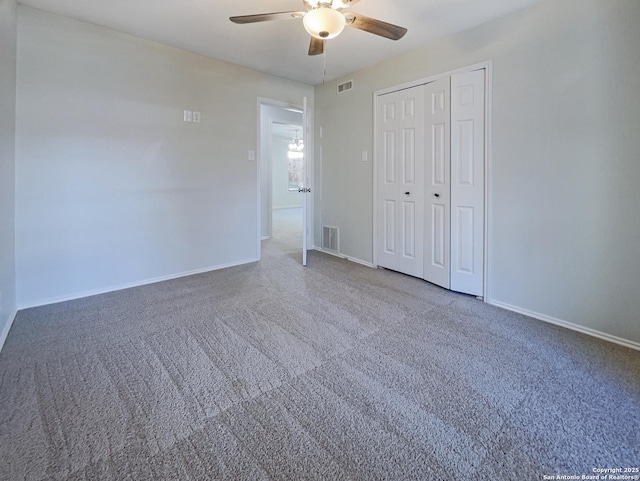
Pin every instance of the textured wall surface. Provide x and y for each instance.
(564, 231)
(7, 163)
(113, 188)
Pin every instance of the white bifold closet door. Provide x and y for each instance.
(430, 169)
(400, 209)
(467, 182)
(437, 223)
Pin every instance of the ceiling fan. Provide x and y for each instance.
(326, 19)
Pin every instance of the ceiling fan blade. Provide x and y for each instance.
(377, 27)
(316, 47)
(265, 17)
(348, 3)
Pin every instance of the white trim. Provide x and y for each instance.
(488, 167)
(310, 172)
(80, 295)
(288, 206)
(5, 332)
(361, 262)
(568, 325)
(433, 78)
(318, 195)
(268, 166)
(266, 237)
(259, 103)
(331, 253)
(374, 211)
(342, 256)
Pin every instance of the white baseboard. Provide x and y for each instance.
(568, 325)
(7, 328)
(331, 253)
(80, 295)
(265, 237)
(287, 207)
(342, 256)
(360, 261)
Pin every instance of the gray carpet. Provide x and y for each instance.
(334, 371)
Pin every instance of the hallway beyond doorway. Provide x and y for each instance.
(287, 231)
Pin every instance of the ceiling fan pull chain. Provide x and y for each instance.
(324, 66)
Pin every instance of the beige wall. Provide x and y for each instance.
(564, 230)
(112, 187)
(7, 164)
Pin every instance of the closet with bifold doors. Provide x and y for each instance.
(430, 181)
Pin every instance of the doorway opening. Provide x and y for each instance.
(284, 169)
(287, 180)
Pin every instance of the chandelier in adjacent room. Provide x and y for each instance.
(296, 148)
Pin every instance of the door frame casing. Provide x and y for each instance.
(488, 157)
(263, 163)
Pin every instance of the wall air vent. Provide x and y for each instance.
(345, 86)
(330, 238)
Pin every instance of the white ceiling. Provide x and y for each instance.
(285, 132)
(280, 47)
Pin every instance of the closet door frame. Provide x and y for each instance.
(488, 158)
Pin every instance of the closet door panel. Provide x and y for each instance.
(437, 182)
(400, 181)
(387, 183)
(467, 182)
(411, 192)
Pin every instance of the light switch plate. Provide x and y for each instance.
(188, 116)
(252, 155)
(365, 156)
(196, 117)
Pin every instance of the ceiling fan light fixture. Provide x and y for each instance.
(324, 23)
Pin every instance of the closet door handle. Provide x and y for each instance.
(407, 193)
(436, 195)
